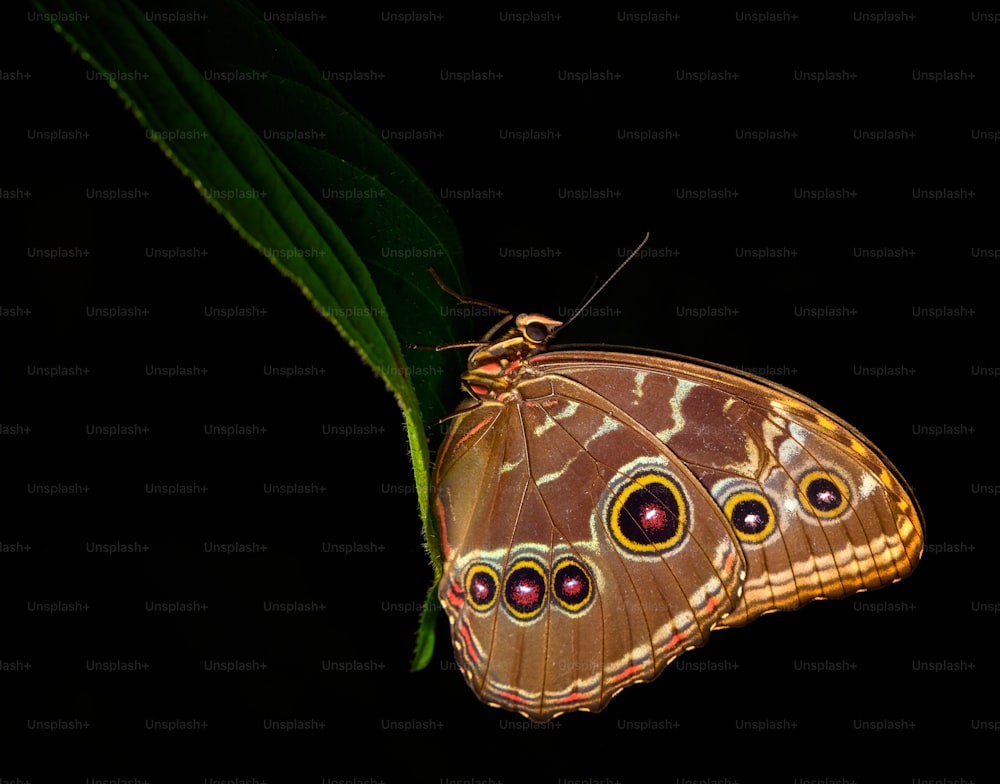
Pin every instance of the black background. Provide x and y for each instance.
(380, 722)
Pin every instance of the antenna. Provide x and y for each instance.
(610, 278)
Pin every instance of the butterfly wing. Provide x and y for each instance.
(609, 511)
(581, 555)
(817, 510)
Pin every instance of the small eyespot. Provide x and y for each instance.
(524, 589)
(481, 583)
(751, 515)
(824, 494)
(571, 585)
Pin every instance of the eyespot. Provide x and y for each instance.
(824, 494)
(751, 515)
(649, 514)
(572, 586)
(524, 589)
(481, 581)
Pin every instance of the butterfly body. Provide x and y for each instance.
(601, 512)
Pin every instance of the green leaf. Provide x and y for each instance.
(303, 178)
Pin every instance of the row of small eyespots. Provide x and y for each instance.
(821, 493)
(526, 587)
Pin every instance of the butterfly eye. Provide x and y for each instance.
(824, 494)
(481, 586)
(536, 332)
(524, 590)
(751, 515)
(572, 586)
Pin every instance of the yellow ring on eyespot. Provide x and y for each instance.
(840, 484)
(729, 508)
(572, 607)
(486, 569)
(637, 484)
(525, 563)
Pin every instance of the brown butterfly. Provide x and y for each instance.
(602, 512)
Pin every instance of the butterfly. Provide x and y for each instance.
(602, 512)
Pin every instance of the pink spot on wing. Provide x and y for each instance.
(653, 517)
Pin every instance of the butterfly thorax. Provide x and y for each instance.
(495, 367)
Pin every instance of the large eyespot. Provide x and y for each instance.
(524, 589)
(751, 515)
(649, 514)
(824, 494)
(481, 583)
(572, 586)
